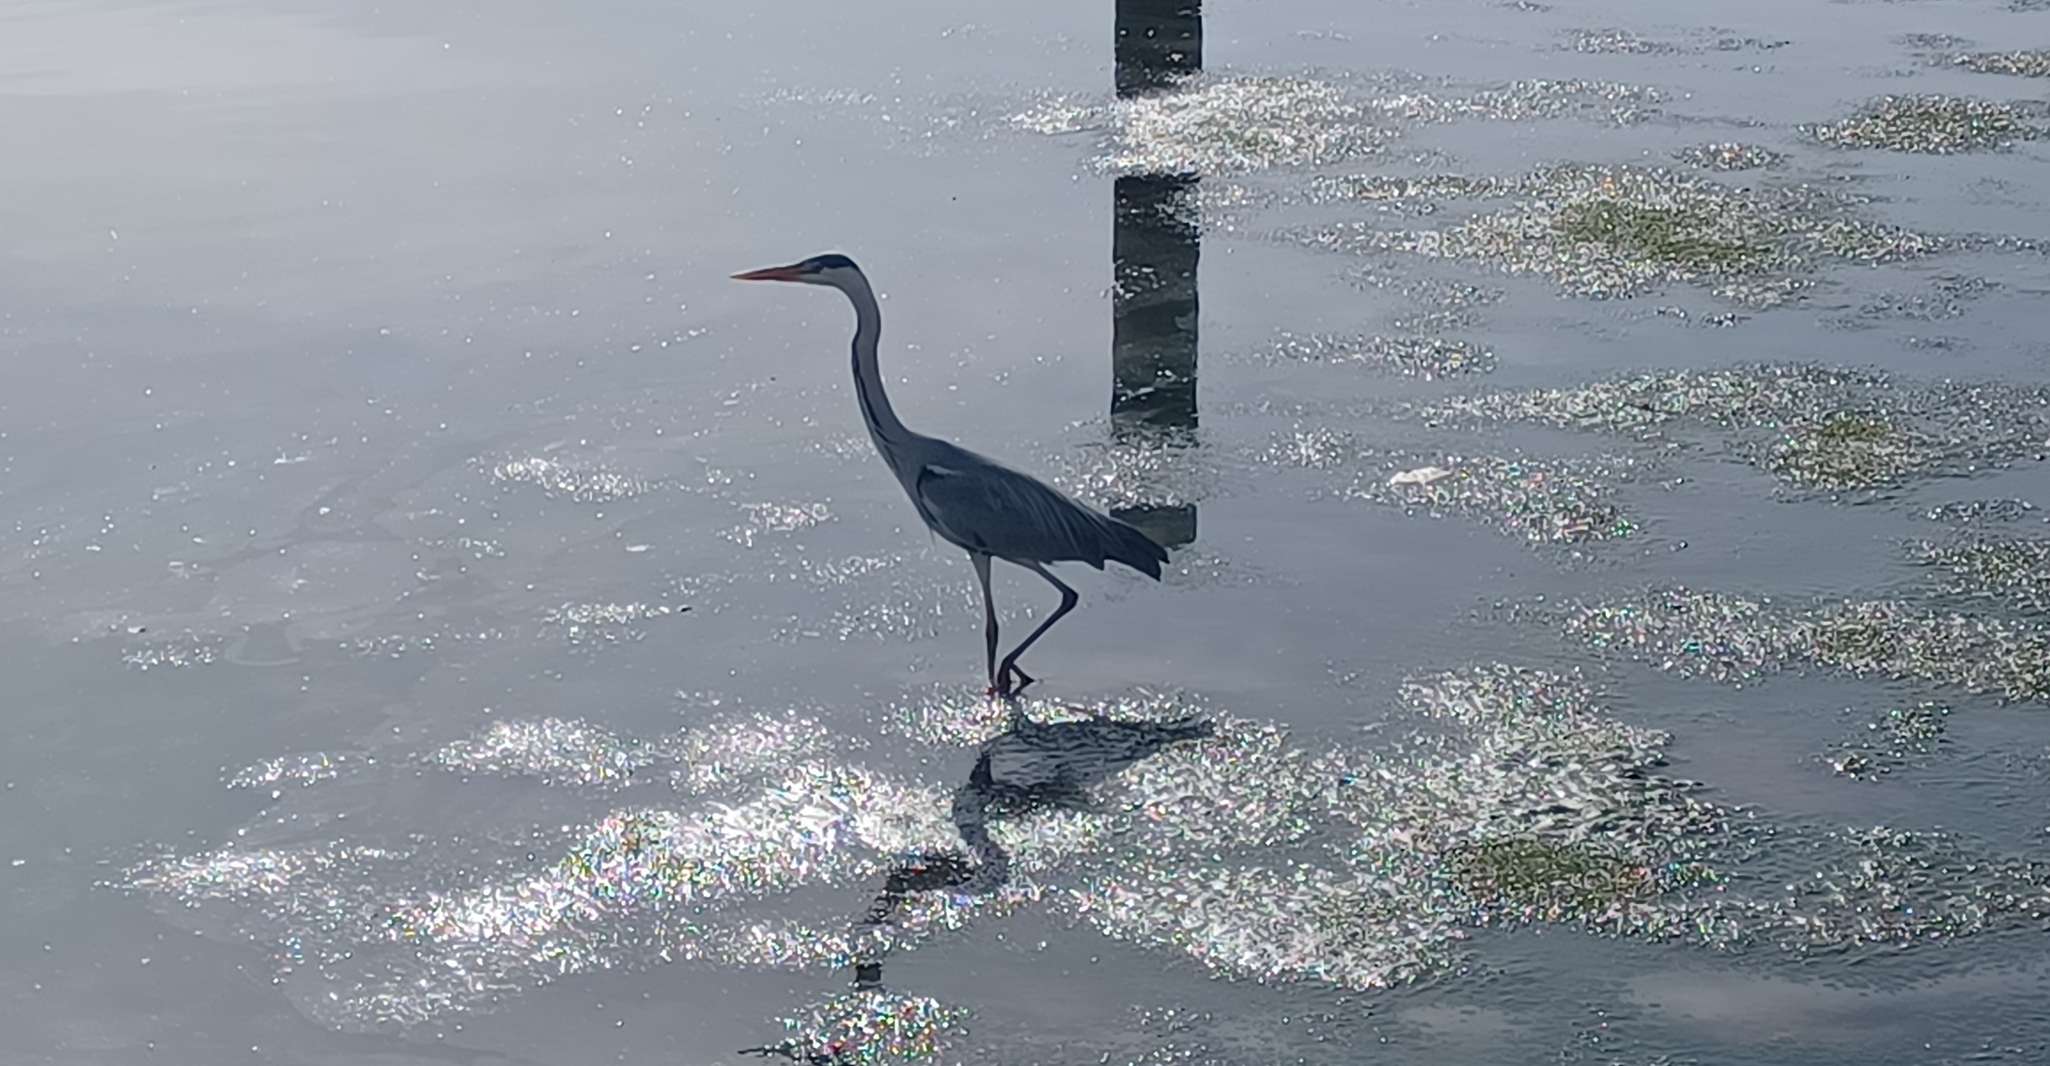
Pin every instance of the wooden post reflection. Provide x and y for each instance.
(1156, 243)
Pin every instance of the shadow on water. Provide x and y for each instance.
(1028, 768)
(1156, 244)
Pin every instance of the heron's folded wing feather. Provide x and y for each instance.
(993, 509)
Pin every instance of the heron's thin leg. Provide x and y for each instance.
(1068, 601)
(989, 614)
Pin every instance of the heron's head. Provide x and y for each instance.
(830, 269)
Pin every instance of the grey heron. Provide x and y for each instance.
(975, 503)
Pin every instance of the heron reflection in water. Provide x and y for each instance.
(1030, 767)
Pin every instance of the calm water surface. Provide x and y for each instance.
(445, 620)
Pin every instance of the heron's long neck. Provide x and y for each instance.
(882, 420)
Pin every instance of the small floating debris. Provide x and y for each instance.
(1539, 500)
(1423, 475)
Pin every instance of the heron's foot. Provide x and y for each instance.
(1011, 682)
(1024, 680)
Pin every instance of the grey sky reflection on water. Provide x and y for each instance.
(366, 281)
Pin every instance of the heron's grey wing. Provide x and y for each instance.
(991, 509)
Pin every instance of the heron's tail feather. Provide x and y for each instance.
(1125, 544)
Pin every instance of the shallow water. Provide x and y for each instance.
(1602, 450)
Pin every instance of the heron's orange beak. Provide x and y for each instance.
(787, 273)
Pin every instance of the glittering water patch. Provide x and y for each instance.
(1933, 124)
(882, 597)
(1138, 467)
(556, 750)
(1275, 925)
(1528, 100)
(1616, 41)
(1545, 879)
(1850, 449)
(905, 607)
(400, 645)
(1734, 639)
(1414, 194)
(1729, 156)
(1945, 298)
(173, 653)
(1221, 124)
(670, 862)
(474, 547)
(560, 480)
(605, 623)
(1816, 427)
(1516, 799)
(265, 881)
(1311, 447)
(2021, 63)
(1539, 500)
(726, 754)
(1559, 814)
(1615, 231)
(1441, 304)
(1427, 357)
(870, 1028)
(1898, 738)
(2013, 571)
(769, 518)
(1540, 808)
(306, 769)
(1980, 512)
(713, 757)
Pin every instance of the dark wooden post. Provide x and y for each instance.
(1156, 243)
